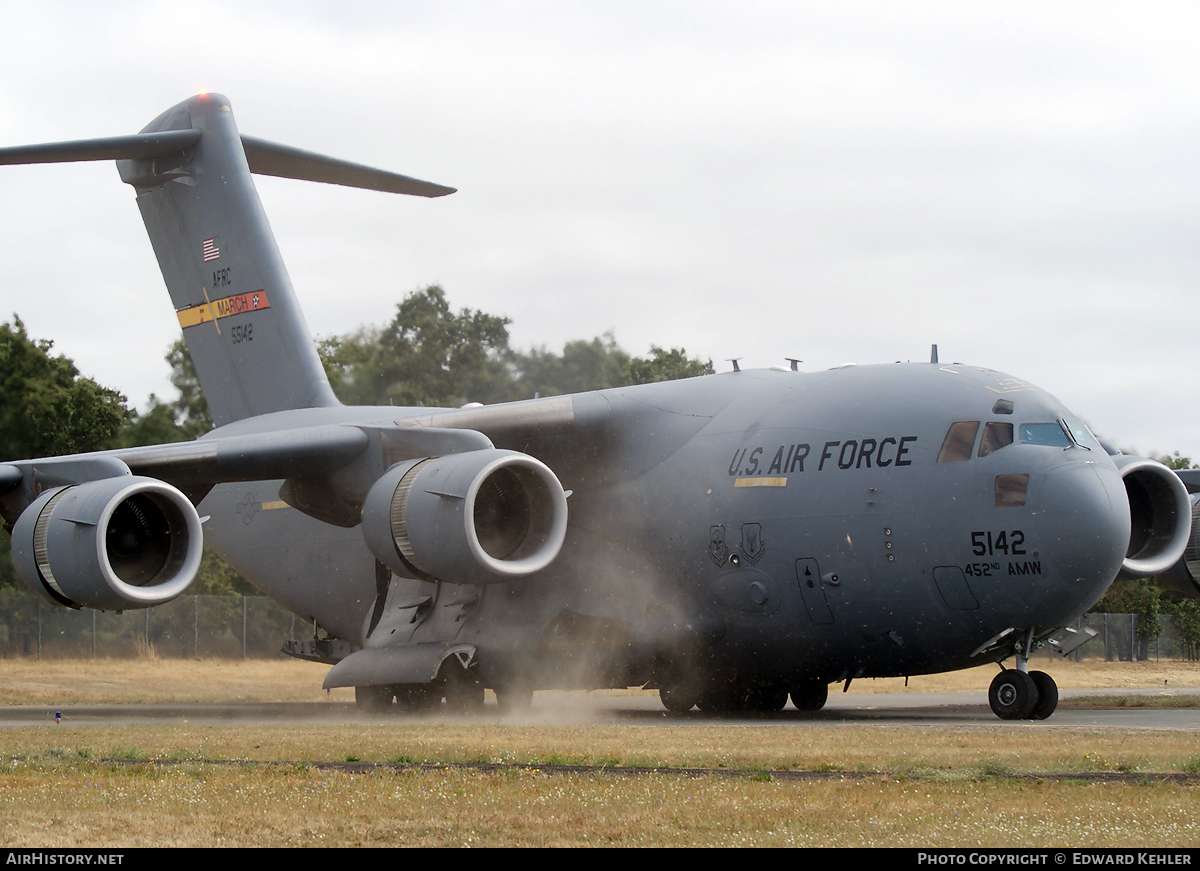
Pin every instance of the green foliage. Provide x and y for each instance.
(1174, 461)
(154, 427)
(1187, 622)
(46, 407)
(163, 422)
(582, 366)
(191, 409)
(1140, 596)
(667, 366)
(215, 577)
(428, 355)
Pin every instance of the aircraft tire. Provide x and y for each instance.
(417, 698)
(1047, 691)
(767, 699)
(720, 699)
(375, 699)
(810, 697)
(464, 694)
(1012, 695)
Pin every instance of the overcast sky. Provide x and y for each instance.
(842, 182)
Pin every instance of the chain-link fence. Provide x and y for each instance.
(1120, 640)
(230, 627)
(240, 627)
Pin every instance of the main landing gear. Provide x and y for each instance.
(1016, 694)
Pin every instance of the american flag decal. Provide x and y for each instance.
(210, 249)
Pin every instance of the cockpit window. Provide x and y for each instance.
(995, 436)
(1082, 435)
(1050, 435)
(960, 438)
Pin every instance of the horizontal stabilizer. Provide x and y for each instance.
(264, 158)
(283, 161)
(139, 146)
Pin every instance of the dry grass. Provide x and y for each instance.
(900, 751)
(51, 803)
(150, 680)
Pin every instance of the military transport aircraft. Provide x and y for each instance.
(729, 539)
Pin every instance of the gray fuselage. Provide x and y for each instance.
(777, 525)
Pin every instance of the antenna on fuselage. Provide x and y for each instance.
(734, 361)
(795, 363)
(933, 354)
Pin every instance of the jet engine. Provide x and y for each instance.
(1161, 515)
(475, 517)
(113, 544)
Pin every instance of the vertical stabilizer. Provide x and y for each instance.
(240, 318)
(234, 300)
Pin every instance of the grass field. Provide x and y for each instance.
(886, 786)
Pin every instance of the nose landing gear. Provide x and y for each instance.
(1020, 694)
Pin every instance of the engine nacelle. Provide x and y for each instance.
(475, 517)
(1160, 513)
(113, 544)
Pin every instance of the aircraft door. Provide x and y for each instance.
(812, 590)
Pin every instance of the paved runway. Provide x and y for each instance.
(950, 709)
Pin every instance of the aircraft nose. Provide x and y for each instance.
(1084, 524)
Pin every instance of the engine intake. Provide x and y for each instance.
(469, 518)
(1160, 514)
(114, 544)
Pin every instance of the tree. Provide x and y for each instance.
(1174, 461)
(46, 407)
(667, 366)
(1187, 621)
(582, 366)
(428, 355)
(1142, 597)
(162, 422)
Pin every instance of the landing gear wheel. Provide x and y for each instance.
(721, 700)
(678, 699)
(417, 698)
(768, 699)
(374, 700)
(1047, 692)
(810, 697)
(1012, 695)
(464, 694)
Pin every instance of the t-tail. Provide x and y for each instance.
(243, 326)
